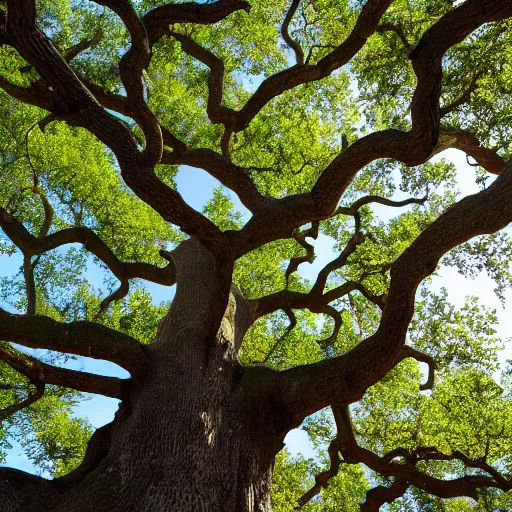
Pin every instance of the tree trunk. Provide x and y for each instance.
(193, 436)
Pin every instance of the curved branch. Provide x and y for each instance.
(309, 257)
(214, 107)
(41, 373)
(30, 246)
(337, 319)
(362, 201)
(80, 338)
(465, 141)
(322, 479)
(344, 379)
(422, 358)
(74, 103)
(294, 45)
(229, 174)
(273, 86)
(407, 474)
(381, 495)
(119, 294)
(27, 402)
(399, 31)
(131, 66)
(157, 21)
(463, 98)
(355, 241)
(279, 218)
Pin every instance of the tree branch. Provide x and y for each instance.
(294, 45)
(344, 379)
(131, 66)
(309, 257)
(75, 104)
(214, 107)
(322, 479)
(465, 141)
(27, 402)
(317, 299)
(362, 201)
(407, 474)
(157, 21)
(463, 98)
(232, 176)
(279, 218)
(41, 373)
(381, 495)
(422, 358)
(23, 491)
(235, 121)
(80, 338)
(30, 246)
(399, 31)
(73, 52)
(293, 322)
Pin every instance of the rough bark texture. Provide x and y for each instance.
(187, 437)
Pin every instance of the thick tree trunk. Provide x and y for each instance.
(193, 436)
(182, 444)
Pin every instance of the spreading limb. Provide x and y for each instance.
(344, 379)
(31, 246)
(41, 373)
(80, 338)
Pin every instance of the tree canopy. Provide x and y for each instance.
(317, 118)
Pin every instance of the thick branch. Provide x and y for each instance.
(381, 495)
(23, 491)
(80, 338)
(344, 379)
(30, 246)
(317, 299)
(273, 86)
(157, 21)
(73, 52)
(487, 158)
(41, 373)
(131, 67)
(279, 218)
(75, 104)
(229, 174)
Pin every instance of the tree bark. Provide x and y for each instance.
(192, 435)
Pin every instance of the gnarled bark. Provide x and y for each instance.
(194, 434)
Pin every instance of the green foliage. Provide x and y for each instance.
(52, 438)
(284, 149)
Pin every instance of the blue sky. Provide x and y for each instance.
(196, 187)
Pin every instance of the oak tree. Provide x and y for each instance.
(311, 114)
